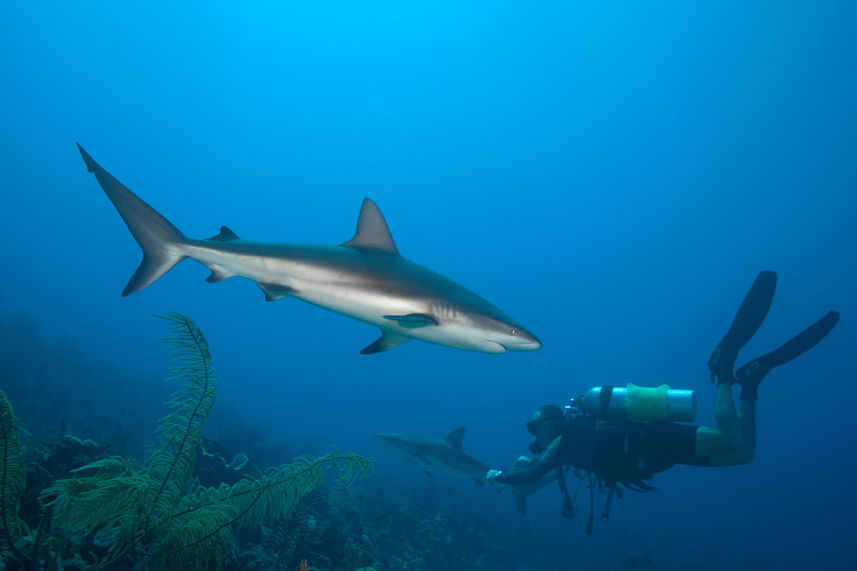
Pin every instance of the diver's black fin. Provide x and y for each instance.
(751, 374)
(750, 315)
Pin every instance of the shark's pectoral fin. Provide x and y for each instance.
(386, 341)
(413, 320)
(273, 292)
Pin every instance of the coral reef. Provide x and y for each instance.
(111, 511)
(113, 515)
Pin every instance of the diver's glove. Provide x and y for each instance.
(523, 461)
(494, 475)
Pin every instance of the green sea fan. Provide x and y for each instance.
(211, 514)
(152, 515)
(181, 430)
(13, 479)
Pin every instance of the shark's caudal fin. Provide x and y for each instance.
(159, 239)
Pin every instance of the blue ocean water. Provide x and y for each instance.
(611, 174)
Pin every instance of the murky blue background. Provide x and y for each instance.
(612, 174)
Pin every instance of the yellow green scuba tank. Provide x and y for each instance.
(639, 404)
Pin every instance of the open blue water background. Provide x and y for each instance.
(612, 174)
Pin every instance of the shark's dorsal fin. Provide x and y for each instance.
(456, 438)
(225, 235)
(372, 231)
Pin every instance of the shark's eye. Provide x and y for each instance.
(515, 331)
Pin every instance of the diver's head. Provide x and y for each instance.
(545, 426)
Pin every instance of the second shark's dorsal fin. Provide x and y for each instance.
(372, 231)
(456, 438)
(225, 235)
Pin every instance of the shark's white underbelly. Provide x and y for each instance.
(326, 286)
(356, 293)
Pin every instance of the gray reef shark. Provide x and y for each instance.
(365, 278)
(447, 455)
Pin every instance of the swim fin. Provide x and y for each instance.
(750, 315)
(751, 374)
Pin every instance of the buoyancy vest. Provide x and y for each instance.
(608, 450)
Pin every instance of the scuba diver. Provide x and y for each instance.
(624, 436)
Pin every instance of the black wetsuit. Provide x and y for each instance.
(624, 453)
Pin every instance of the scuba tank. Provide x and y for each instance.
(613, 413)
(639, 404)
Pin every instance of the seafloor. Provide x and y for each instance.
(65, 417)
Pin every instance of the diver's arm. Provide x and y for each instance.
(532, 473)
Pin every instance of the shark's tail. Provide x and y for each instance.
(161, 241)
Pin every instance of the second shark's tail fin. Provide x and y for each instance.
(159, 240)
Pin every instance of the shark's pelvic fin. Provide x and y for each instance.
(412, 320)
(456, 438)
(158, 239)
(372, 231)
(218, 274)
(225, 235)
(273, 292)
(385, 342)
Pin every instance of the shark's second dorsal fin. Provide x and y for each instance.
(456, 438)
(225, 235)
(372, 231)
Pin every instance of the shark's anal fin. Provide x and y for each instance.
(456, 438)
(385, 342)
(372, 231)
(413, 320)
(225, 235)
(273, 292)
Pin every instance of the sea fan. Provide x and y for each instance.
(13, 479)
(153, 515)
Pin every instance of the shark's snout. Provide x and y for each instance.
(530, 344)
(520, 340)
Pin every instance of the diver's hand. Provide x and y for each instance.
(493, 476)
(523, 461)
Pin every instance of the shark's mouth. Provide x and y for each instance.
(494, 347)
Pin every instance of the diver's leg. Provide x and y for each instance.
(729, 434)
(744, 452)
(750, 375)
